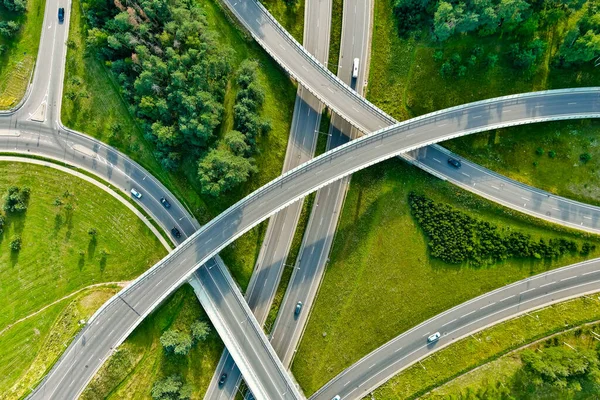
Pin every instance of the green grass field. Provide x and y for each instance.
(16, 65)
(58, 256)
(141, 360)
(488, 345)
(30, 348)
(291, 17)
(97, 114)
(381, 280)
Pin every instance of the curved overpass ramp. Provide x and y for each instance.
(112, 324)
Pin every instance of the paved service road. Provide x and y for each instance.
(507, 302)
(282, 226)
(318, 238)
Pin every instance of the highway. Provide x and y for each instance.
(373, 370)
(282, 226)
(128, 309)
(318, 238)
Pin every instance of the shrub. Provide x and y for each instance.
(171, 388)
(539, 151)
(552, 154)
(200, 331)
(585, 157)
(176, 342)
(15, 244)
(16, 199)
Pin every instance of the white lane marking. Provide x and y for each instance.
(586, 217)
(547, 284)
(306, 69)
(539, 106)
(591, 272)
(570, 277)
(436, 160)
(330, 89)
(556, 209)
(442, 125)
(505, 111)
(355, 109)
(525, 198)
(469, 313)
(449, 322)
(477, 116)
(280, 45)
(488, 305)
(372, 365)
(467, 175)
(426, 334)
(528, 290)
(571, 104)
(495, 187)
(509, 297)
(398, 349)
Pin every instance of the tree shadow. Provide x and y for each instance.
(81, 262)
(58, 222)
(103, 261)
(92, 247)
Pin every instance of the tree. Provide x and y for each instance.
(409, 14)
(15, 243)
(200, 331)
(552, 154)
(444, 21)
(15, 5)
(92, 232)
(16, 199)
(585, 157)
(237, 143)
(221, 170)
(447, 69)
(171, 388)
(176, 342)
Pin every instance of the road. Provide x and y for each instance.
(361, 378)
(282, 226)
(125, 311)
(318, 238)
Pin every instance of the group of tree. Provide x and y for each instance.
(226, 167)
(171, 388)
(170, 67)
(18, 6)
(178, 342)
(455, 67)
(456, 237)
(581, 44)
(10, 27)
(16, 199)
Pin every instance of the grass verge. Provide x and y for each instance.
(381, 279)
(16, 64)
(105, 109)
(337, 9)
(486, 346)
(291, 17)
(30, 348)
(140, 361)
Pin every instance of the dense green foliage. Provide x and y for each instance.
(582, 43)
(171, 388)
(456, 237)
(180, 342)
(10, 28)
(16, 199)
(175, 75)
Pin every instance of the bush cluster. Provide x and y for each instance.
(16, 199)
(456, 237)
(180, 342)
(171, 388)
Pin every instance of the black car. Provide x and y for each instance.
(165, 202)
(454, 162)
(175, 232)
(222, 379)
(61, 14)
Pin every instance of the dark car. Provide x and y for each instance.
(222, 379)
(61, 14)
(298, 309)
(454, 162)
(175, 232)
(165, 202)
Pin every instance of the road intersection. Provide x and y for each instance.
(33, 132)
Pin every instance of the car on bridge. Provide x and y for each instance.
(165, 202)
(175, 232)
(222, 379)
(136, 194)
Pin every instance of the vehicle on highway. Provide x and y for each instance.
(222, 379)
(175, 232)
(336, 397)
(355, 68)
(165, 202)
(61, 14)
(136, 194)
(454, 162)
(433, 338)
(298, 309)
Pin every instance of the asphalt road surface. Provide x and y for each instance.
(125, 312)
(361, 378)
(316, 244)
(282, 226)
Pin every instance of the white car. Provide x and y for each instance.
(336, 397)
(136, 194)
(433, 338)
(355, 68)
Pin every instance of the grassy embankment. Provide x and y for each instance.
(104, 107)
(58, 257)
(16, 64)
(290, 17)
(381, 279)
(141, 360)
(405, 82)
(486, 349)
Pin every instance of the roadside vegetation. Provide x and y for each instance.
(20, 30)
(289, 13)
(105, 112)
(58, 234)
(383, 278)
(171, 355)
(550, 368)
(30, 348)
